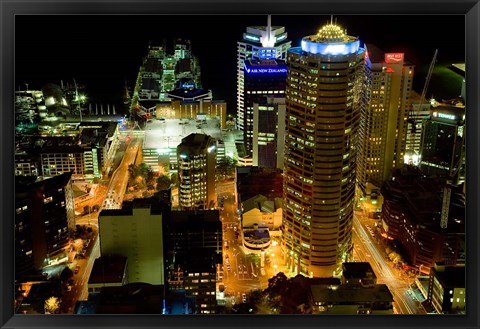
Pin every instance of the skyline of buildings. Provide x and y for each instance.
(333, 113)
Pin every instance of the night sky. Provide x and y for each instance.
(102, 52)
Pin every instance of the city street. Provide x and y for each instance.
(367, 249)
(79, 290)
(119, 181)
(242, 272)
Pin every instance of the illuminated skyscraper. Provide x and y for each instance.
(324, 101)
(263, 78)
(259, 42)
(383, 126)
(196, 172)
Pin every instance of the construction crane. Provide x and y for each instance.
(413, 114)
(429, 76)
(453, 181)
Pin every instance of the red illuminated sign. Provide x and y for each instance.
(393, 57)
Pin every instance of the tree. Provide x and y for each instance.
(52, 305)
(133, 171)
(66, 274)
(255, 296)
(226, 166)
(163, 182)
(174, 179)
(277, 285)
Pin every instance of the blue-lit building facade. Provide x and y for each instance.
(258, 42)
(323, 105)
(263, 78)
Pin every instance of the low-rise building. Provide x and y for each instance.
(351, 299)
(262, 211)
(358, 273)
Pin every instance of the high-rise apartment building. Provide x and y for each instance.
(262, 78)
(324, 101)
(383, 124)
(196, 158)
(259, 42)
(44, 214)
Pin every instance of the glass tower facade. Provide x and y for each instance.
(323, 106)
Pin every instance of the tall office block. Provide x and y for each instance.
(324, 101)
(263, 78)
(419, 111)
(259, 42)
(196, 172)
(383, 124)
(135, 232)
(269, 132)
(443, 141)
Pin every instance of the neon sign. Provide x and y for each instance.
(444, 115)
(394, 57)
(266, 70)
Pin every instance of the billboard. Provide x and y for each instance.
(393, 58)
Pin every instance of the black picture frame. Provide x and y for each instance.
(10, 8)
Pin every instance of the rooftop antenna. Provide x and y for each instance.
(269, 27)
(331, 19)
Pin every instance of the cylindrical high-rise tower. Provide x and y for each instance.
(323, 98)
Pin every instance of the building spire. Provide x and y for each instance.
(269, 28)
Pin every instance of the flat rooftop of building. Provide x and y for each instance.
(108, 269)
(452, 276)
(252, 181)
(186, 93)
(134, 298)
(25, 184)
(357, 269)
(351, 294)
(168, 133)
(196, 219)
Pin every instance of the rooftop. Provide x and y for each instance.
(351, 294)
(451, 276)
(168, 133)
(252, 181)
(108, 269)
(134, 298)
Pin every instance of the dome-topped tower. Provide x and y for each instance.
(331, 33)
(331, 39)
